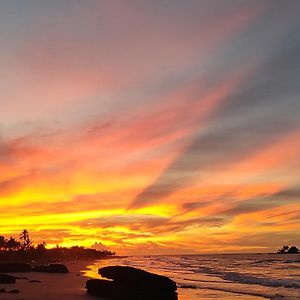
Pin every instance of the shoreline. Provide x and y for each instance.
(223, 283)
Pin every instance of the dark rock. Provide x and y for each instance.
(131, 284)
(2, 291)
(52, 268)
(7, 279)
(14, 267)
(293, 250)
(137, 278)
(115, 291)
(34, 281)
(14, 291)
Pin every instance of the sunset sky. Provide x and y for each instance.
(162, 126)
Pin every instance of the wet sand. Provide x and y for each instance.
(51, 286)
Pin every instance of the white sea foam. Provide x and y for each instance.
(247, 279)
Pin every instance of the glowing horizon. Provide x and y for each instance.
(151, 126)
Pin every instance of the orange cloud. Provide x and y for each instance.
(151, 127)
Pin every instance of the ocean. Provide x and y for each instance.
(225, 276)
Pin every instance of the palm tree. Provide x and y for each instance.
(26, 242)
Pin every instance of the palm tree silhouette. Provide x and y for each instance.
(26, 242)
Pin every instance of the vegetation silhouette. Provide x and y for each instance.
(25, 240)
(23, 249)
(288, 250)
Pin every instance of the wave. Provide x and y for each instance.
(292, 261)
(236, 291)
(271, 260)
(248, 279)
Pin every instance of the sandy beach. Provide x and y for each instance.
(51, 286)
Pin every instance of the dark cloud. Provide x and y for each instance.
(134, 221)
(210, 221)
(289, 194)
(263, 109)
(189, 206)
(215, 150)
(250, 206)
(260, 203)
(148, 225)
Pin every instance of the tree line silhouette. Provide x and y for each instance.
(23, 248)
(289, 250)
(11, 244)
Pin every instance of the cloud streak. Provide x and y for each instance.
(144, 125)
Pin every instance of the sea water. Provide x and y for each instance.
(226, 276)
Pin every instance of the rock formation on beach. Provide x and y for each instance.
(4, 278)
(15, 267)
(51, 268)
(130, 283)
(10, 267)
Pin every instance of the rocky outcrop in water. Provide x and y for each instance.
(293, 250)
(288, 250)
